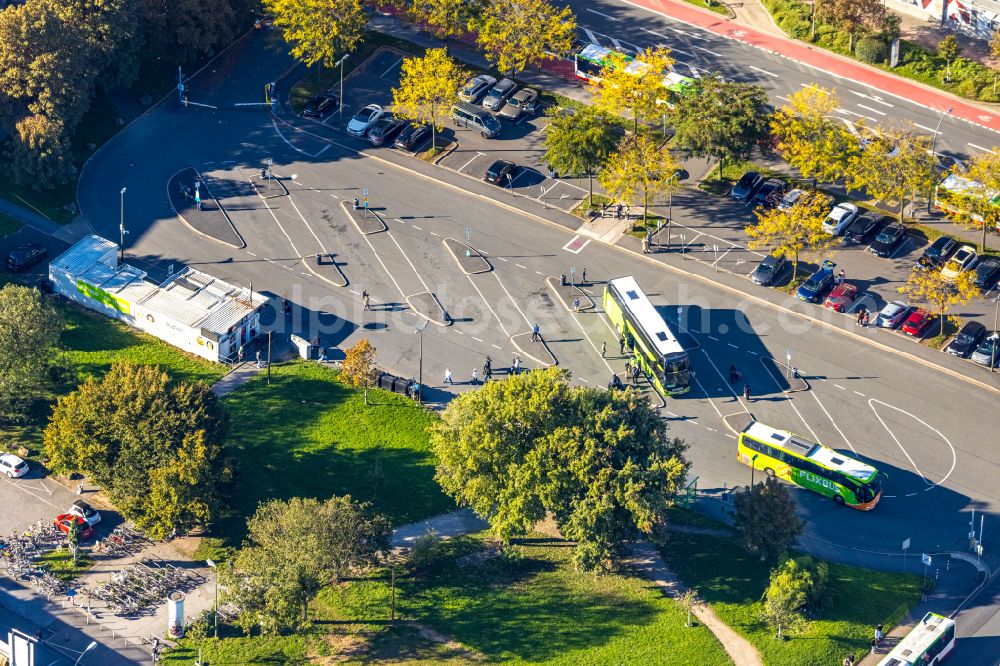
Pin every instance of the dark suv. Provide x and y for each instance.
(746, 186)
(965, 342)
(24, 257)
(938, 252)
(767, 271)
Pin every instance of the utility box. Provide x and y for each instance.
(305, 349)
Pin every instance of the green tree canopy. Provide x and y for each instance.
(30, 329)
(794, 230)
(154, 446)
(319, 31)
(786, 595)
(810, 136)
(427, 86)
(893, 165)
(639, 170)
(852, 16)
(599, 461)
(721, 119)
(576, 144)
(296, 547)
(765, 516)
(445, 19)
(515, 34)
(636, 90)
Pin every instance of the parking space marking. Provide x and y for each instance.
(591, 36)
(901, 246)
(478, 154)
(391, 67)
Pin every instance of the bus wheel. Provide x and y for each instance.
(769, 472)
(839, 500)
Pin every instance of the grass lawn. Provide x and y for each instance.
(732, 582)
(60, 564)
(528, 607)
(716, 7)
(49, 203)
(8, 225)
(308, 435)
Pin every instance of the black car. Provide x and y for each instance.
(767, 271)
(413, 136)
(938, 252)
(746, 186)
(965, 342)
(500, 173)
(321, 105)
(862, 227)
(25, 256)
(987, 272)
(888, 240)
(769, 193)
(384, 130)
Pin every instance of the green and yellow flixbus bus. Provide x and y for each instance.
(926, 645)
(650, 342)
(810, 465)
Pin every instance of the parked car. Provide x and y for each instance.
(322, 105)
(987, 272)
(769, 193)
(988, 351)
(917, 322)
(938, 251)
(746, 186)
(818, 283)
(893, 314)
(385, 130)
(768, 270)
(964, 259)
(413, 136)
(12, 466)
(476, 88)
(862, 227)
(498, 94)
(477, 119)
(63, 521)
(85, 511)
(362, 121)
(888, 240)
(791, 198)
(524, 101)
(500, 173)
(965, 342)
(841, 297)
(839, 218)
(23, 257)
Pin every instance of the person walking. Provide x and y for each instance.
(239, 354)
(583, 276)
(447, 377)
(368, 301)
(842, 275)
(746, 392)
(322, 355)
(628, 369)
(515, 365)
(475, 376)
(878, 635)
(576, 305)
(535, 337)
(635, 373)
(604, 349)
(621, 345)
(864, 319)
(258, 359)
(488, 369)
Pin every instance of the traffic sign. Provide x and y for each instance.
(926, 559)
(364, 192)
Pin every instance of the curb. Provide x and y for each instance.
(804, 385)
(221, 209)
(350, 216)
(446, 318)
(552, 283)
(489, 266)
(554, 361)
(275, 179)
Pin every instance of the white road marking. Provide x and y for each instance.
(435, 234)
(840, 387)
(730, 436)
(494, 274)
(290, 144)
(594, 11)
(924, 127)
(583, 379)
(538, 273)
(762, 71)
(859, 393)
(712, 429)
(391, 67)
(520, 266)
(471, 160)
(783, 98)
(475, 338)
(417, 228)
(592, 344)
(714, 339)
(732, 345)
(708, 397)
(592, 37)
(868, 108)
(859, 115)
(579, 249)
(407, 257)
(702, 48)
(487, 303)
(954, 455)
(501, 259)
(872, 98)
(497, 347)
(321, 150)
(23, 489)
(988, 150)
(843, 436)
(251, 253)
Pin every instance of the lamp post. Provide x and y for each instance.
(670, 208)
(340, 108)
(121, 227)
(934, 143)
(215, 614)
(753, 467)
(420, 361)
(87, 649)
(996, 319)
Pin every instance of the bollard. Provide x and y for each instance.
(562, 279)
(356, 203)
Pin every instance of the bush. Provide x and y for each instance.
(968, 88)
(201, 626)
(989, 94)
(871, 50)
(425, 551)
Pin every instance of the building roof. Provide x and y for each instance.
(84, 254)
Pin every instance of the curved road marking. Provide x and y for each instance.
(846, 441)
(954, 455)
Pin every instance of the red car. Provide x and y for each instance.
(917, 322)
(841, 296)
(63, 521)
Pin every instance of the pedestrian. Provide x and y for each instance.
(732, 374)
(746, 392)
(842, 275)
(861, 315)
(635, 373)
(258, 359)
(487, 370)
(873, 646)
(628, 369)
(645, 245)
(878, 635)
(576, 305)
(621, 346)
(583, 276)
(847, 661)
(322, 355)
(239, 354)
(515, 365)
(604, 349)
(864, 319)
(535, 337)
(447, 377)
(367, 300)
(475, 376)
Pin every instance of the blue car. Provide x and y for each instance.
(818, 283)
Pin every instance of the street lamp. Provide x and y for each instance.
(121, 228)
(753, 467)
(216, 613)
(87, 649)
(934, 143)
(340, 63)
(420, 362)
(996, 342)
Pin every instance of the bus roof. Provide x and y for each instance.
(921, 637)
(646, 316)
(597, 53)
(960, 185)
(677, 82)
(804, 448)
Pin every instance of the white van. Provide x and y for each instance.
(473, 117)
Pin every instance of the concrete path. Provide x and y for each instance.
(447, 525)
(236, 378)
(753, 13)
(649, 564)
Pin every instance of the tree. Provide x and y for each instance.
(765, 516)
(940, 293)
(792, 231)
(599, 461)
(721, 119)
(852, 16)
(515, 34)
(637, 90)
(995, 52)
(948, 48)
(73, 539)
(690, 602)
(639, 169)
(893, 166)
(810, 137)
(319, 30)
(444, 19)
(785, 596)
(154, 446)
(40, 155)
(184, 29)
(358, 368)
(296, 547)
(578, 143)
(30, 329)
(427, 87)
(974, 205)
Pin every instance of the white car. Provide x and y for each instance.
(364, 119)
(893, 314)
(85, 511)
(961, 261)
(12, 466)
(839, 218)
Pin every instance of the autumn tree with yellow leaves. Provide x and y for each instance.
(427, 86)
(810, 137)
(515, 34)
(445, 19)
(319, 31)
(358, 369)
(636, 89)
(792, 231)
(932, 288)
(639, 170)
(975, 206)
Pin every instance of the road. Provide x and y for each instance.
(929, 430)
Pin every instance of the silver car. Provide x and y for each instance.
(475, 88)
(988, 351)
